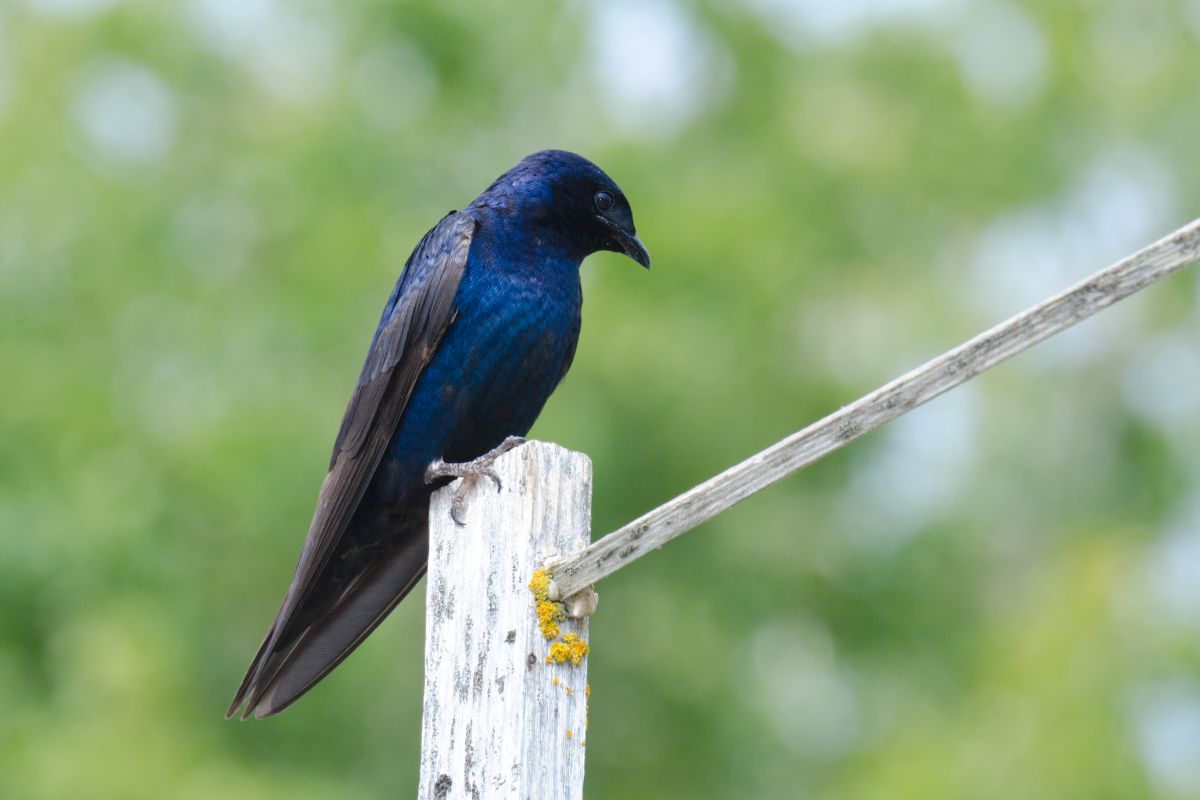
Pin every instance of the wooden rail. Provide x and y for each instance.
(573, 572)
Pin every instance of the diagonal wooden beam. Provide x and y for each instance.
(677, 516)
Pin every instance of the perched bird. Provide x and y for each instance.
(481, 327)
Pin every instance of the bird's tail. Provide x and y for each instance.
(296, 663)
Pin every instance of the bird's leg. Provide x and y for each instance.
(470, 472)
(476, 466)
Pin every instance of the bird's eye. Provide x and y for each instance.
(604, 200)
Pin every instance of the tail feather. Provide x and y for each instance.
(276, 679)
(247, 681)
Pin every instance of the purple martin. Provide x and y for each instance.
(479, 330)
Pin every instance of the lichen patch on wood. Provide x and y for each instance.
(549, 612)
(571, 650)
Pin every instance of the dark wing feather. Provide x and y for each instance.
(293, 669)
(420, 314)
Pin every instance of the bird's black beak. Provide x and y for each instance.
(626, 241)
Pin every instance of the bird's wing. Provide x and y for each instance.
(418, 315)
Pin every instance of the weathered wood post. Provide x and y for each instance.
(499, 720)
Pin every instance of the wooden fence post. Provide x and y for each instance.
(499, 720)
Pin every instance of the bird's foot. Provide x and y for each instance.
(470, 472)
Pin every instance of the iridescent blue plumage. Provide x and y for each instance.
(478, 332)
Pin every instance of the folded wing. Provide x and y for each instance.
(304, 643)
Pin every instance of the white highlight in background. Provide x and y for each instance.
(1166, 722)
(658, 68)
(1001, 53)
(126, 112)
(289, 55)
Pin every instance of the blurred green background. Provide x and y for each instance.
(204, 204)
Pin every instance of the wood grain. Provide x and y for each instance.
(499, 722)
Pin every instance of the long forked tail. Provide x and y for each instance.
(277, 678)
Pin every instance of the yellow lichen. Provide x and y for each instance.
(539, 584)
(570, 650)
(587, 690)
(569, 734)
(549, 615)
(549, 612)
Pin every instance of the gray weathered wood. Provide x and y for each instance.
(608, 554)
(500, 722)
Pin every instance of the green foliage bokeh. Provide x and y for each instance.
(202, 212)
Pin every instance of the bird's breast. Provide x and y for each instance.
(517, 337)
(511, 342)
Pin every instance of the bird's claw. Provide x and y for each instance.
(458, 502)
(470, 472)
(488, 472)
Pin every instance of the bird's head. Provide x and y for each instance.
(569, 201)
